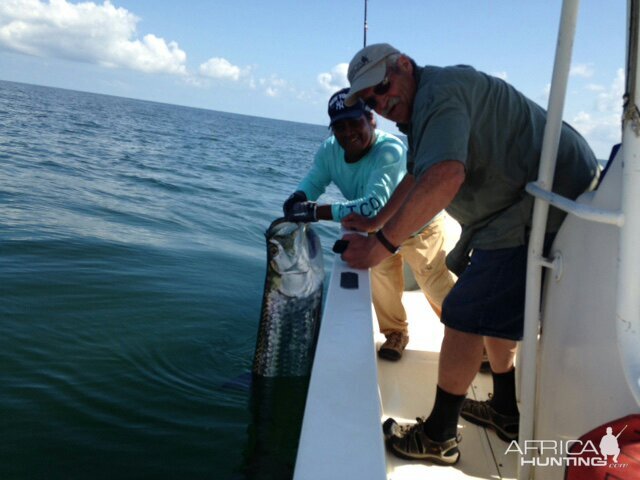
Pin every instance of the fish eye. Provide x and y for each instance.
(273, 250)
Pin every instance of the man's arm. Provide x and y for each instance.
(301, 205)
(371, 224)
(430, 194)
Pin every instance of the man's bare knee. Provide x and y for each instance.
(501, 353)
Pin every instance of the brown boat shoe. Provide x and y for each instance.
(412, 443)
(483, 414)
(393, 347)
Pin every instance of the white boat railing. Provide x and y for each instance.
(535, 261)
(628, 286)
(585, 212)
(341, 434)
(628, 298)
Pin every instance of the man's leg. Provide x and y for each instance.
(460, 358)
(496, 280)
(387, 286)
(486, 301)
(425, 253)
(436, 438)
(502, 353)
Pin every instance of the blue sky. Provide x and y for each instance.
(283, 58)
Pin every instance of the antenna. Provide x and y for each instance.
(365, 23)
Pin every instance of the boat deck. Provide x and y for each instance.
(351, 392)
(407, 390)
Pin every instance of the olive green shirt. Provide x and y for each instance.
(496, 132)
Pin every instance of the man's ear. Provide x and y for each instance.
(404, 64)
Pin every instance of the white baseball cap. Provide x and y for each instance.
(367, 68)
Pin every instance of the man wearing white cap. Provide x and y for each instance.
(474, 143)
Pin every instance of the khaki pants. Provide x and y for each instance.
(425, 254)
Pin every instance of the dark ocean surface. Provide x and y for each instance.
(132, 264)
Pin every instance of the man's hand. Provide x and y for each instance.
(363, 252)
(356, 222)
(303, 212)
(296, 197)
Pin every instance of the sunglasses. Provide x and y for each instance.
(380, 89)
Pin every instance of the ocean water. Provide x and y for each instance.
(132, 264)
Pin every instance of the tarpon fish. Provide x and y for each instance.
(291, 303)
(287, 336)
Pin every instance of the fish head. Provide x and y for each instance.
(295, 258)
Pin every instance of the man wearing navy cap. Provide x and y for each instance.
(367, 165)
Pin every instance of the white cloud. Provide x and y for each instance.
(582, 70)
(221, 68)
(85, 32)
(502, 75)
(582, 118)
(106, 35)
(594, 110)
(592, 87)
(601, 124)
(543, 97)
(611, 100)
(274, 86)
(334, 80)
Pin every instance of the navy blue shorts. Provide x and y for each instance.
(488, 298)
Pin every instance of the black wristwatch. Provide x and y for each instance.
(387, 244)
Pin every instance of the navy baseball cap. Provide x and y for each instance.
(338, 109)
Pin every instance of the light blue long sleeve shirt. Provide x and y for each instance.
(366, 184)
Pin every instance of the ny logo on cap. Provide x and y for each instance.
(338, 102)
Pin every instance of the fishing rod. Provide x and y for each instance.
(365, 23)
